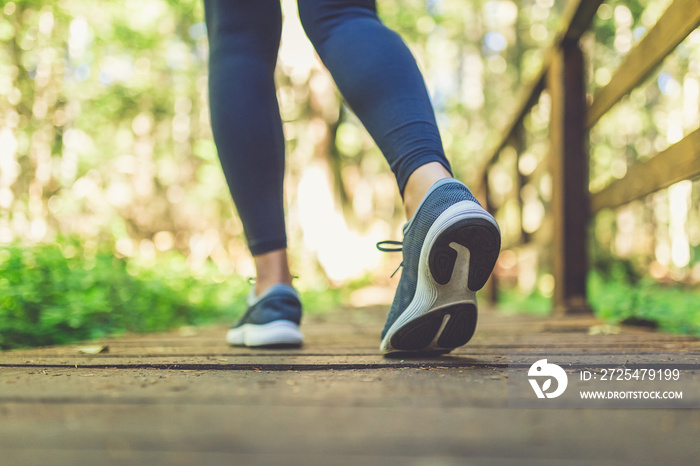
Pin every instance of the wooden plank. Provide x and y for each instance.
(569, 161)
(679, 20)
(578, 355)
(679, 162)
(417, 417)
(360, 415)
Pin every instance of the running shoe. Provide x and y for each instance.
(450, 247)
(272, 319)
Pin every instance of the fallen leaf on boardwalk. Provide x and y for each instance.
(94, 349)
(605, 329)
(188, 331)
(107, 386)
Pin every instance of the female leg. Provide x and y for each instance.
(450, 243)
(244, 38)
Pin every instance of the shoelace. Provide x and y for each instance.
(391, 249)
(251, 280)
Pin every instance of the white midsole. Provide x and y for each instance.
(430, 295)
(278, 332)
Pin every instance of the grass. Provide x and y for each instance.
(61, 293)
(517, 302)
(672, 308)
(617, 298)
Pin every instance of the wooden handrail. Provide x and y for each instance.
(679, 20)
(572, 204)
(528, 99)
(577, 19)
(679, 162)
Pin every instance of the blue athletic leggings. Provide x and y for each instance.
(372, 67)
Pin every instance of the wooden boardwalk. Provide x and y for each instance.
(187, 398)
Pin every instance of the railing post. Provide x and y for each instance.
(569, 158)
(518, 142)
(492, 284)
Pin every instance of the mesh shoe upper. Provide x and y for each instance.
(279, 302)
(440, 197)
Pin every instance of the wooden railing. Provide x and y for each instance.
(571, 117)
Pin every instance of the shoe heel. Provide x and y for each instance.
(483, 240)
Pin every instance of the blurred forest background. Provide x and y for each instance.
(114, 213)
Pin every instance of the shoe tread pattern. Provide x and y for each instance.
(482, 239)
(418, 334)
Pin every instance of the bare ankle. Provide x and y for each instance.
(419, 183)
(272, 268)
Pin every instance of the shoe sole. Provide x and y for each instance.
(277, 333)
(458, 254)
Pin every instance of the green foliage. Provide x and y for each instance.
(513, 301)
(53, 294)
(616, 298)
(618, 294)
(61, 293)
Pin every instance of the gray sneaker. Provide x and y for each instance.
(271, 319)
(450, 247)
